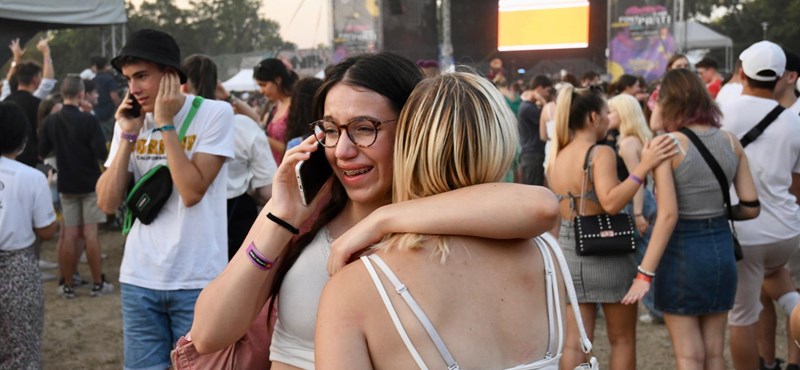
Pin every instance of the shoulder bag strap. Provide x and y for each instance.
(587, 166)
(552, 244)
(715, 167)
(198, 100)
(755, 132)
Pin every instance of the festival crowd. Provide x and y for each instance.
(372, 218)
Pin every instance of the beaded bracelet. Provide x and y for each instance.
(263, 263)
(283, 223)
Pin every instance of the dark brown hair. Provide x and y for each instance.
(685, 101)
(385, 73)
(300, 113)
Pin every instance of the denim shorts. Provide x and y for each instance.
(152, 322)
(697, 274)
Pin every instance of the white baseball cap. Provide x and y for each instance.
(763, 56)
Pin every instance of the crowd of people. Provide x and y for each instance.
(448, 183)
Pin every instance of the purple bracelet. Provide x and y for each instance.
(129, 137)
(263, 263)
(636, 179)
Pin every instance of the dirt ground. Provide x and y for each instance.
(86, 332)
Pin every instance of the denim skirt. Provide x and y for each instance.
(697, 274)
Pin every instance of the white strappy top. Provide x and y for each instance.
(548, 247)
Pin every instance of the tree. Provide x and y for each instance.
(209, 27)
(743, 23)
(236, 26)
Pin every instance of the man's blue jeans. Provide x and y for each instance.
(152, 322)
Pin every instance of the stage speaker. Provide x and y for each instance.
(412, 34)
(395, 7)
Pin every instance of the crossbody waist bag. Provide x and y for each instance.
(154, 188)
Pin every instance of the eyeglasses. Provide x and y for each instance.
(362, 131)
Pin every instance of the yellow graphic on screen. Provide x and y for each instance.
(542, 24)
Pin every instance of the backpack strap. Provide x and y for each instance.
(755, 132)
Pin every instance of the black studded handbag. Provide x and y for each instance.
(602, 234)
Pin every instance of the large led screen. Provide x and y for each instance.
(543, 24)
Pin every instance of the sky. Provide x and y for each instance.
(310, 26)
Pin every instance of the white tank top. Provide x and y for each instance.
(548, 247)
(293, 338)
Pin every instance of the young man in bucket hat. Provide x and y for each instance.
(168, 261)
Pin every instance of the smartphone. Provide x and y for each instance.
(311, 175)
(136, 110)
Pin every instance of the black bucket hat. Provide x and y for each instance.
(152, 46)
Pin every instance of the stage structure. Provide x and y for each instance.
(405, 27)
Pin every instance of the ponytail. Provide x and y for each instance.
(562, 137)
(573, 106)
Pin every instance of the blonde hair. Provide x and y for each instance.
(456, 130)
(573, 106)
(631, 117)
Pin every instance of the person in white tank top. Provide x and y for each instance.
(449, 283)
(361, 99)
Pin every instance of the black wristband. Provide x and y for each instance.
(751, 204)
(283, 223)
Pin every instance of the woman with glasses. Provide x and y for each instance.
(358, 103)
(581, 121)
(453, 280)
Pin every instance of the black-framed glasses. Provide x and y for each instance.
(362, 131)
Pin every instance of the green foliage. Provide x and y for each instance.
(743, 23)
(71, 48)
(209, 27)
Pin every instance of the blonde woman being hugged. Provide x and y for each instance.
(690, 257)
(582, 120)
(625, 112)
(455, 131)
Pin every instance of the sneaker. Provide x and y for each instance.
(103, 288)
(763, 366)
(47, 265)
(76, 280)
(66, 291)
(650, 319)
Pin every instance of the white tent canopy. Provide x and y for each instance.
(698, 36)
(82, 12)
(242, 81)
(24, 18)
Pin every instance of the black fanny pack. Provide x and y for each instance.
(154, 188)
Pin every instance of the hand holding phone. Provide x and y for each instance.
(312, 174)
(129, 114)
(136, 109)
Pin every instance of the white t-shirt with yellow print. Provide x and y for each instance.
(183, 248)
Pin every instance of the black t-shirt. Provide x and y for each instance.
(104, 110)
(30, 107)
(529, 114)
(612, 136)
(79, 145)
